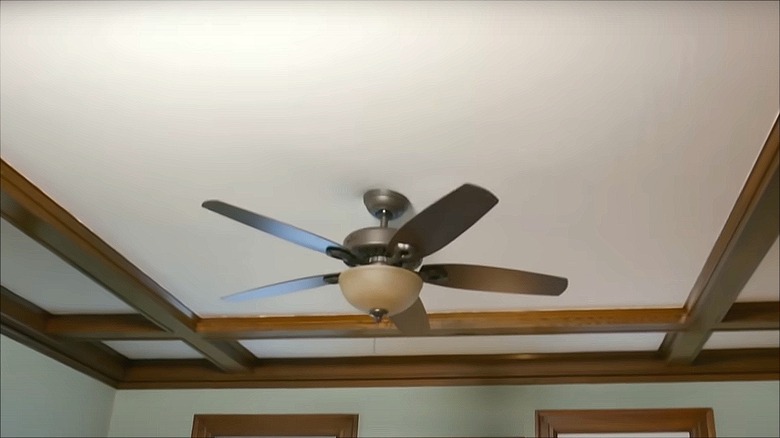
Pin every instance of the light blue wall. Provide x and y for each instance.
(42, 397)
(741, 408)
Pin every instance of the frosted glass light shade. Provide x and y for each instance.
(380, 287)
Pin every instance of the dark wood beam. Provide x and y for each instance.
(25, 323)
(34, 213)
(752, 316)
(447, 324)
(749, 232)
(105, 327)
(609, 367)
(742, 316)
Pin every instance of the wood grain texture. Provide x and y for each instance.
(698, 422)
(331, 425)
(447, 324)
(749, 232)
(105, 327)
(34, 213)
(742, 316)
(25, 322)
(763, 315)
(716, 365)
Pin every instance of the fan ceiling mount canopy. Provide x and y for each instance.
(383, 278)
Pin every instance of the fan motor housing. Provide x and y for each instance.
(370, 245)
(369, 242)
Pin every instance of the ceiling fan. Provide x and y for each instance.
(381, 279)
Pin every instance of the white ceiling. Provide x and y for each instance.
(409, 346)
(154, 349)
(617, 135)
(744, 339)
(416, 346)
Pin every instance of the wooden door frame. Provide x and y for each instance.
(699, 422)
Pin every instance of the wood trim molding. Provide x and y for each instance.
(31, 325)
(752, 316)
(34, 213)
(335, 425)
(609, 367)
(749, 232)
(105, 327)
(448, 324)
(698, 422)
(741, 316)
(24, 322)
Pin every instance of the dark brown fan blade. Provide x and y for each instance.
(444, 220)
(273, 227)
(285, 287)
(492, 279)
(412, 321)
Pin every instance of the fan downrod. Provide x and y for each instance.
(370, 244)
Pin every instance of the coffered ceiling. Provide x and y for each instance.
(618, 137)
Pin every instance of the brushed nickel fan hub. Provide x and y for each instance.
(370, 245)
(369, 242)
(385, 204)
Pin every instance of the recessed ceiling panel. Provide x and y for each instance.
(519, 344)
(419, 346)
(34, 273)
(309, 347)
(154, 349)
(617, 135)
(743, 339)
(764, 285)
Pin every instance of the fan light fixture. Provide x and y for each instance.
(383, 278)
(379, 289)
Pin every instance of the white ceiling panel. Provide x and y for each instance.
(616, 134)
(34, 273)
(310, 347)
(418, 346)
(743, 339)
(764, 285)
(519, 344)
(154, 349)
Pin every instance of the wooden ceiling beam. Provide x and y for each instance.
(447, 324)
(105, 327)
(749, 232)
(25, 322)
(609, 367)
(742, 316)
(763, 315)
(34, 213)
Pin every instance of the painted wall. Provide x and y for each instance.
(741, 408)
(42, 397)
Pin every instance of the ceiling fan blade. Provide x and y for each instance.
(272, 226)
(285, 287)
(412, 321)
(492, 279)
(446, 219)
